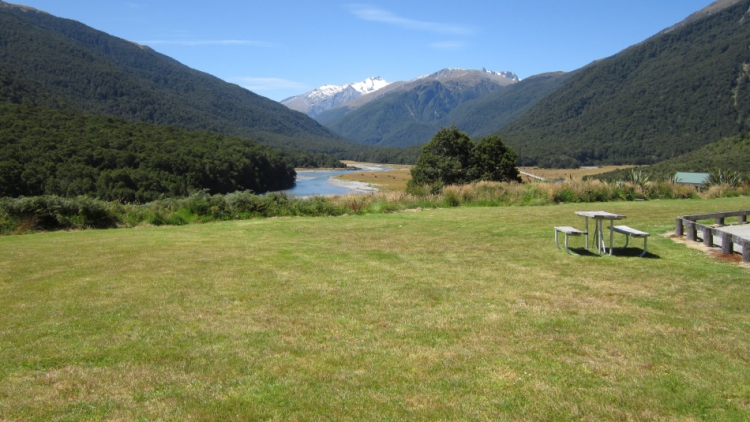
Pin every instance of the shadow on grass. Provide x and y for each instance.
(634, 252)
(584, 252)
(618, 252)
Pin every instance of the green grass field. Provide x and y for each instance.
(467, 313)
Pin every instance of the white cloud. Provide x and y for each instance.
(373, 14)
(192, 43)
(267, 84)
(448, 45)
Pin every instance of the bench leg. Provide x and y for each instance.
(568, 248)
(557, 242)
(645, 247)
(627, 241)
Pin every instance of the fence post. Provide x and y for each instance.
(708, 236)
(678, 230)
(727, 247)
(691, 234)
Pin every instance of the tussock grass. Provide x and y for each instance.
(467, 313)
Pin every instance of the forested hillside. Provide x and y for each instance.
(65, 63)
(62, 152)
(730, 154)
(660, 99)
(489, 113)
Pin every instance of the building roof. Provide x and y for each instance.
(691, 178)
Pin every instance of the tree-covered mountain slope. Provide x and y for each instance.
(485, 115)
(89, 70)
(728, 154)
(413, 112)
(660, 99)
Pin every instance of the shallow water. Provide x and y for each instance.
(318, 182)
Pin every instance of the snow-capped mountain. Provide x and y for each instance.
(411, 112)
(329, 96)
(451, 73)
(508, 75)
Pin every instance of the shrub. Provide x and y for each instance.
(451, 198)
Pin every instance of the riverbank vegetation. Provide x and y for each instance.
(23, 215)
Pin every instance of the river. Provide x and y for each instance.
(322, 182)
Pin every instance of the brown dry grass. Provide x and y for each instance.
(394, 180)
(390, 180)
(567, 174)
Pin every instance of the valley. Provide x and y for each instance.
(180, 238)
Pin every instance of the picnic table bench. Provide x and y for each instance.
(628, 232)
(568, 231)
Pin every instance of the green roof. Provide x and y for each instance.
(691, 178)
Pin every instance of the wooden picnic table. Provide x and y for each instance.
(599, 217)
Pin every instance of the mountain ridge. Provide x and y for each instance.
(95, 72)
(353, 95)
(658, 99)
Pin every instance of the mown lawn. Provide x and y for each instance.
(452, 314)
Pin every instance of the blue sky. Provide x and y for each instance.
(280, 48)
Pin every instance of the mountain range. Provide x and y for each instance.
(676, 91)
(406, 113)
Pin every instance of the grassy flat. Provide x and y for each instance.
(565, 174)
(464, 313)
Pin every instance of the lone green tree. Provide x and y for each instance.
(445, 160)
(495, 161)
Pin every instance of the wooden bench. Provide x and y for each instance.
(628, 232)
(568, 231)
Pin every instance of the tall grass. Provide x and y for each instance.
(22, 215)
